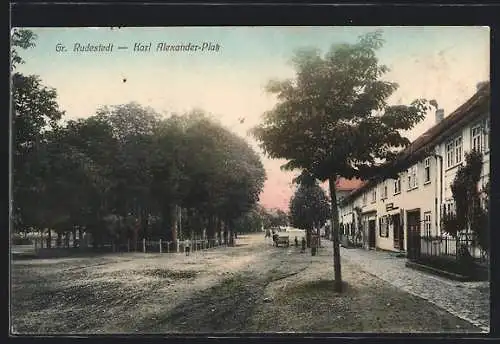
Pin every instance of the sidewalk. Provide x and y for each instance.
(467, 300)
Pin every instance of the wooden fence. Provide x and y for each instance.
(144, 245)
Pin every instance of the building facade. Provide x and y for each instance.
(386, 212)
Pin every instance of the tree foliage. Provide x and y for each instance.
(333, 119)
(469, 214)
(334, 116)
(124, 171)
(309, 207)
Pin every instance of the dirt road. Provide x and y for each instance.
(253, 287)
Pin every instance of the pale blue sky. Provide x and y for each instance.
(444, 63)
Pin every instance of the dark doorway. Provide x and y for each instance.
(413, 220)
(371, 233)
(399, 234)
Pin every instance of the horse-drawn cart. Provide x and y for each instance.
(283, 240)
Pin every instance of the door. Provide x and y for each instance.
(413, 220)
(398, 231)
(371, 233)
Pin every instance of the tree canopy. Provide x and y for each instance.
(333, 119)
(309, 207)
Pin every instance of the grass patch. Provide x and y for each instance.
(317, 287)
(366, 304)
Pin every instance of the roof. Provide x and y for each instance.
(464, 114)
(343, 184)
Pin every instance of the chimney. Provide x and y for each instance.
(439, 115)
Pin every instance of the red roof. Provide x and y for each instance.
(344, 184)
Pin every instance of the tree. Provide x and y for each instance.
(23, 39)
(278, 217)
(469, 215)
(251, 221)
(309, 208)
(224, 175)
(333, 119)
(35, 111)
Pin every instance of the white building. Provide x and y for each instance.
(391, 209)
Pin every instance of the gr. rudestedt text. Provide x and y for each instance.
(143, 47)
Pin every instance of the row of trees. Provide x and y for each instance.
(125, 171)
(259, 218)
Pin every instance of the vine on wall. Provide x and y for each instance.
(469, 215)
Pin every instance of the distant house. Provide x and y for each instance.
(389, 209)
(344, 187)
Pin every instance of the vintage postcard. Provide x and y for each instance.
(250, 179)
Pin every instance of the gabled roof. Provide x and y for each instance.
(343, 184)
(420, 147)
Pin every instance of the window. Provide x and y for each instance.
(487, 135)
(412, 177)
(450, 150)
(427, 170)
(364, 198)
(374, 195)
(476, 134)
(383, 227)
(397, 186)
(454, 152)
(427, 223)
(458, 150)
(384, 190)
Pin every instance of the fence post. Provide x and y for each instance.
(177, 246)
(113, 246)
(144, 245)
(36, 244)
(168, 246)
(128, 245)
(160, 245)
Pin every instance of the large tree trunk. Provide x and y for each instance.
(143, 223)
(80, 236)
(174, 221)
(73, 233)
(335, 230)
(211, 227)
(49, 239)
(59, 239)
(226, 232)
(218, 228)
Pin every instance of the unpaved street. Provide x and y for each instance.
(253, 287)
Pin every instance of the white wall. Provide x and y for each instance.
(450, 172)
(422, 197)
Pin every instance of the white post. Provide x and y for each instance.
(160, 245)
(144, 245)
(168, 246)
(177, 244)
